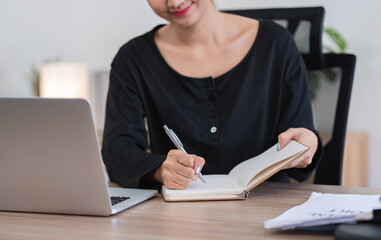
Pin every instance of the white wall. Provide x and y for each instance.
(72, 30)
(91, 31)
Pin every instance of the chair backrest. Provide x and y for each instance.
(331, 89)
(330, 80)
(305, 24)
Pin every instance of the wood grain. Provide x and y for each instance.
(355, 161)
(156, 219)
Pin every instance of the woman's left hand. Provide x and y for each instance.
(303, 136)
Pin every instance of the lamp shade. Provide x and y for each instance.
(64, 80)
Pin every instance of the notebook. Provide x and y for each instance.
(50, 160)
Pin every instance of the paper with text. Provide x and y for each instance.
(322, 209)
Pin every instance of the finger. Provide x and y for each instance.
(295, 162)
(198, 162)
(174, 185)
(300, 162)
(181, 157)
(171, 177)
(183, 181)
(285, 137)
(186, 160)
(186, 172)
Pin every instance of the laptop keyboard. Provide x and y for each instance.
(116, 200)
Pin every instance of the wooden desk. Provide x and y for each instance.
(156, 219)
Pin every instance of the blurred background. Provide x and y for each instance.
(84, 36)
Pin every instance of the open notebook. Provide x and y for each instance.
(241, 179)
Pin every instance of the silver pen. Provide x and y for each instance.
(172, 135)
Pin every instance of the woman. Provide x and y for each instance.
(229, 86)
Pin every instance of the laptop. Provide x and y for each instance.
(50, 160)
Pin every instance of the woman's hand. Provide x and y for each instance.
(178, 170)
(304, 136)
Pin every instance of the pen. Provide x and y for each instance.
(179, 146)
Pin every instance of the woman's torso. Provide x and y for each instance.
(225, 119)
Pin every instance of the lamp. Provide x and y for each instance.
(64, 80)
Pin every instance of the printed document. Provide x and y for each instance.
(325, 208)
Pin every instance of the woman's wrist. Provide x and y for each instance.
(157, 175)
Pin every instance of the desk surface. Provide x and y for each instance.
(156, 219)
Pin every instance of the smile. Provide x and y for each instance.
(182, 12)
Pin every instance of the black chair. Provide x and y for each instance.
(330, 105)
(330, 80)
(305, 24)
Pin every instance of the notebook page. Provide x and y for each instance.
(245, 171)
(215, 184)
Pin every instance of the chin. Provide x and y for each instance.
(184, 24)
(186, 21)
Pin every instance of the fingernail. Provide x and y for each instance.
(198, 169)
(278, 147)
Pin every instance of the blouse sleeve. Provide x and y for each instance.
(296, 108)
(125, 136)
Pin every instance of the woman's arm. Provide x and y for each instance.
(296, 121)
(125, 137)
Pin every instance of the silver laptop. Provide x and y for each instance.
(50, 160)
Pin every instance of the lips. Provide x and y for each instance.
(182, 12)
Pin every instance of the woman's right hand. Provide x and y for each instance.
(178, 170)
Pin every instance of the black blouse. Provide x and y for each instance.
(225, 120)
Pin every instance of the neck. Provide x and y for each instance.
(207, 30)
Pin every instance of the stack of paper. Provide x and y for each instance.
(322, 209)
